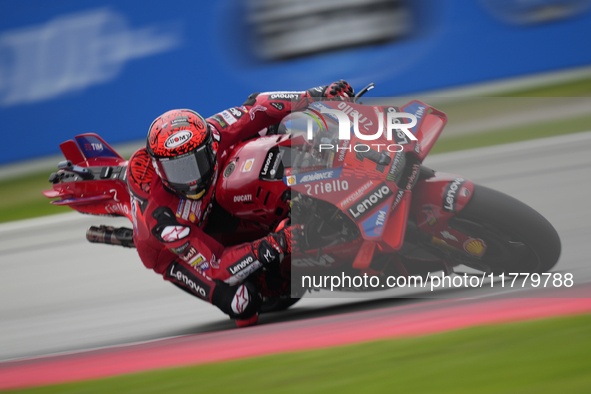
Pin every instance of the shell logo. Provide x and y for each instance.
(476, 247)
(291, 180)
(248, 165)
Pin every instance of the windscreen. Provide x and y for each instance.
(312, 134)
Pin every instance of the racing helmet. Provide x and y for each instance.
(181, 145)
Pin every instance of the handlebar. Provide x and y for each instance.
(363, 91)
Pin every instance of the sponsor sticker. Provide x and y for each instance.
(228, 117)
(429, 215)
(268, 163)
(285, 96)
(413, 176)
(195, 205)
(181, 249)
(450, 195)
(243, 198)
(214, 263)
(371, 200)
(236, 112)
(313, 176)
(241, 265)
(119, 208)
(243, 274)
(363, 121)
(447, 235)
(398, 197)
(342, 150)
(178, 139)
(203, 266)
(242, 269)
(220, 121)
(279, 106)
(189, 254)
(97, 146)
(374, 225)
(475, 247)
(336, 185)
(197, 260)
(180, 274)
(186, 210)
(396, 167)
(399, 137)
(355, 196)
(180, 119)
(418, 111)
(253, 111)
(248, 165)
(179, 210)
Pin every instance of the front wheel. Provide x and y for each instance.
(518, 238)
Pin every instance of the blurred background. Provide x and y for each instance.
(111, 67)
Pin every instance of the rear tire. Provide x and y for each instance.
(518, 238)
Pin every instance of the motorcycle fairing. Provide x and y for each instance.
(106, 192)
(89, 146)
(437, 200)
(430, 123)
(247, 190)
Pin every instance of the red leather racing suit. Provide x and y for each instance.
(168, 230)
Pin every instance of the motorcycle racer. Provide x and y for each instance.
(172, 183)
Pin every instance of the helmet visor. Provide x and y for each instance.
(189, 172)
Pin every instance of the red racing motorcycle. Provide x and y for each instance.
(368, 207)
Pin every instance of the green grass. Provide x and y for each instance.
(21, 197)
(578, 88)
(513, 134)
(543, 356)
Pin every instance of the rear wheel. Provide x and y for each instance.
(518, 238)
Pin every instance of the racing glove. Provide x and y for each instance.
(340, 89)
(283, 241)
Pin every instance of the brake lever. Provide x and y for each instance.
(363, 91)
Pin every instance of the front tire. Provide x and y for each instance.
(518, 238)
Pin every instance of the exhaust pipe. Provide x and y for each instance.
(111, 235)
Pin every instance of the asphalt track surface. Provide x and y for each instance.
(61, 294)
